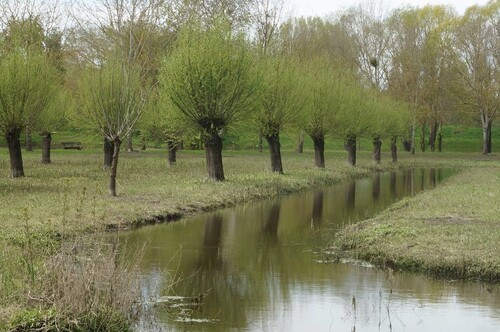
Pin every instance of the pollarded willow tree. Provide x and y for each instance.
(354, 117)
(111, 100)
(320, 112)
(388, 119)
(279, 103)
(51, 120)
(210, 80)
(130, 30)
(26, 88)
(162, 123)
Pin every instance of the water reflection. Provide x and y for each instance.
(271, 223)
(253, 268)
(350, 195)
(210, 257)
(409, 181)
(317, 208)
(432, 177)
(392, 185)
(376, 187)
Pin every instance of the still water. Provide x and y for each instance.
(261, 267)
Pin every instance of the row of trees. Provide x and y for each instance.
(174, 67)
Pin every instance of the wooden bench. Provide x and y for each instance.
(71, 145)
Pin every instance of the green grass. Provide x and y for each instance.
(74, 187)
(456, 138)
(58, 203)
(452, 231)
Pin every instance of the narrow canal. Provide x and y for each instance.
(260, 267)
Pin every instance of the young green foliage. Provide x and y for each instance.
(354, 116)
(388, 120)
(323, 102)
(210, 80)
(112, 99)
(280, 103)
(26, 88)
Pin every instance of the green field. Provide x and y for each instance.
(67, 201)
(455, 139)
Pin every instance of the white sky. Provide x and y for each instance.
(326, 7)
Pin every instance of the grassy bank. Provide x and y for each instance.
(58, 203)
(452, 231)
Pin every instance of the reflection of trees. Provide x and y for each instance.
(248, 276)
(409, 186)
(393, 187)
(210, 255)
(350, 196)
(271, 223)
(422, 179)
(244, 278)
(223, 293)
(376, 188)
(432, 177)
(317, 210)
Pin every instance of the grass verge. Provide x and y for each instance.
(452, 231)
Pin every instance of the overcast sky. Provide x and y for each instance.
(325, 7)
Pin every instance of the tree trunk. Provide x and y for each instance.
(422, 138)
(413, 139)
(394, 149)
(16, 158)
(172, 152)
(377, 148)
(489, 136)
(319, 151)
(129, 142)
(407, 145)
(114, 167)
(275, 153)
(485, 138)
(29, 140)
(213, 154)
(260, 147)
(46, 141)
(300, 145)
(108, 152)
(440, 140)
(433, 135)
(350, 146)
(143, 142)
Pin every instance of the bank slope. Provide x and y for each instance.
(452, 231)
